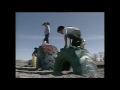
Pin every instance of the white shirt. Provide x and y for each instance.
(47, 29)
(68, 30)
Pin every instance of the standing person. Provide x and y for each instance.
(47, 31)
(74, 34)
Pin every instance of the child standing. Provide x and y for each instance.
(47, 31)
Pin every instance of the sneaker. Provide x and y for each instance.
(83, 43)
(78, 46)
(44, 43)
(39, 69)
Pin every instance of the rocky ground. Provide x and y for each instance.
(30, 72)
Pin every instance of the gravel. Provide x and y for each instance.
(30, 72)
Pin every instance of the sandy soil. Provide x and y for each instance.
(31, 72)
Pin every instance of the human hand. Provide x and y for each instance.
(70, 45)
(66, 46)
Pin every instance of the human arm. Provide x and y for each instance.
(65, 39)
(33, 54)
(70, 42)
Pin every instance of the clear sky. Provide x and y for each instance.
(30, 32)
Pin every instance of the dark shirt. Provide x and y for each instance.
(34, 53)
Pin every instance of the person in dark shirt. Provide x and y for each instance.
(34, 52)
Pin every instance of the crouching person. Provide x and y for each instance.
(74, 34)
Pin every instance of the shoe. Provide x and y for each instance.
(83, 43)
(45, 43)
(78, 46)
(39, 69)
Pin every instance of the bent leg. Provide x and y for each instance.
(76, 39)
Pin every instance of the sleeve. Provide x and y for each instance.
(48, 28)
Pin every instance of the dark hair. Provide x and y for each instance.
(60, 28)
(35, 48)
(46, 23)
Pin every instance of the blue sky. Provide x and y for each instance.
(30, 32)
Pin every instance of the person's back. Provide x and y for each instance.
(71, 30)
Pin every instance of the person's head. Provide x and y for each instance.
(60, 29)
(35, 48)
(46, 23)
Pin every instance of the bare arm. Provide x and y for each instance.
(65, 38)
(70, 41)
(33, 54)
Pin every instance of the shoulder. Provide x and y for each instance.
(70, 27)
(48, 25)
(67, 27)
